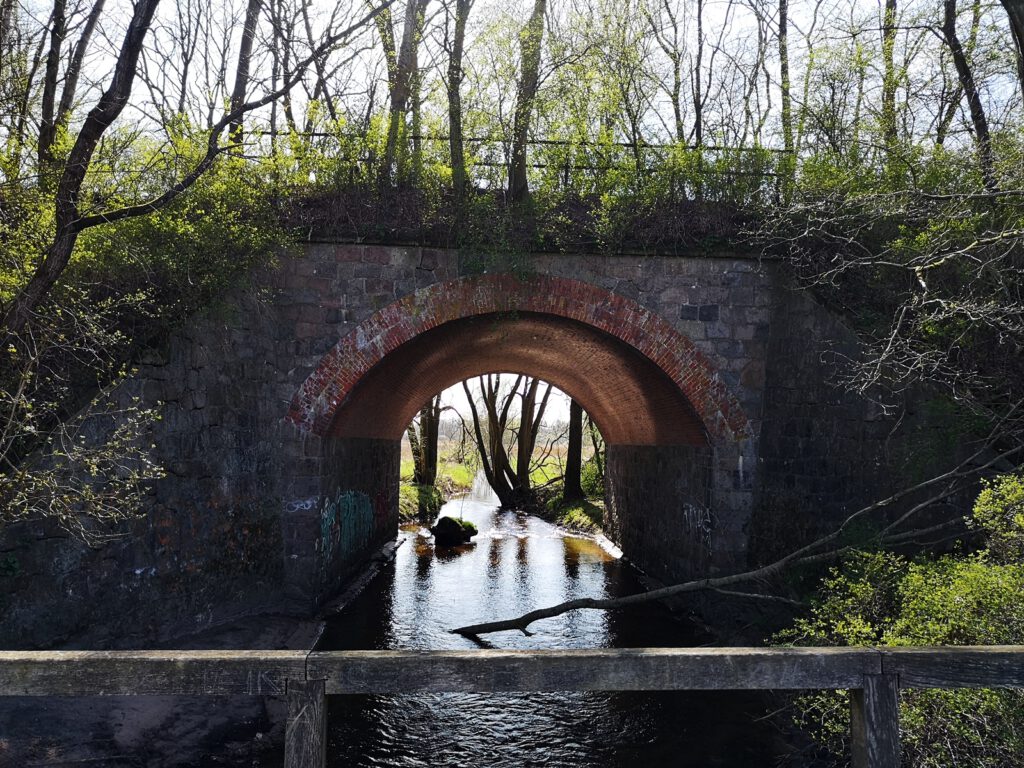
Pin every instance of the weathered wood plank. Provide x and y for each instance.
(305, 740)
(631, 669)
(125, 673)
(89, 673)
(875, 723)
(956, 667)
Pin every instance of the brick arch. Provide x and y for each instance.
(653, 386)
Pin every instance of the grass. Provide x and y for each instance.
(550, 469)
(416, 502)
(461, 475)
(453, 477)
(586, 516)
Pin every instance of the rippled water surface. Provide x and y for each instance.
(517, 563)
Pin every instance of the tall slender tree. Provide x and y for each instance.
(453, 85)
(572, 488)
(530, 41)
(978, 118)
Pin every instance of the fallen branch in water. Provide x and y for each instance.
(815, 552)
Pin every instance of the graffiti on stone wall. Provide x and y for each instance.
(346, 527)
(698, 522)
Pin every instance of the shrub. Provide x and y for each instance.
(592, 479)
(417, 502)
(884, 599)
(999, 514)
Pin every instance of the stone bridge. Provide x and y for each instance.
(283, 417)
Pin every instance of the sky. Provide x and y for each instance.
(557, 409)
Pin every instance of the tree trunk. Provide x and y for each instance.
(572, 489)
(524, 443)
(6, 21)
(417, 452)
(48, 103)
(401, 86)
(423, 443)
(946, 116)
(491, 449)
(456, 146)
(252, 15)
(430, 421)
(970, 89)
(789, 159)
(530, 421)
(890, 135)
(698, 97)
(1015, 12)
(530, 39)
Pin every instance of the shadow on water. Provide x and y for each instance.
(517, 563)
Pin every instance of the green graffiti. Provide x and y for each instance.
(346, 526)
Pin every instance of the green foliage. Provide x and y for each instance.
(197, 249)
(76, 448)
(880, 598)
(418, 502)
(999, 514)
(592, 478)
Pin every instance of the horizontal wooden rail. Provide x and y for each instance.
(873, 676)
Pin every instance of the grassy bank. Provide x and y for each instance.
(585, 516)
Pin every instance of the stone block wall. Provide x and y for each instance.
(658, 509)
(825, 450)
(257, 514)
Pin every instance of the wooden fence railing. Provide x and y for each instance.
(873, 676)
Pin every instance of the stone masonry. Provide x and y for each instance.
(282, 414)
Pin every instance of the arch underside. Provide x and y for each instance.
(675, 432)
(642, 380)
(632, 401)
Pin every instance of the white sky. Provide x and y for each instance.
(557, 408)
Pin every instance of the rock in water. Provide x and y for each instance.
(449, 532)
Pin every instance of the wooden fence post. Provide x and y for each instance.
(875, 722)
(305, 741)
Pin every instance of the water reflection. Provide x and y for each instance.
(517, 563)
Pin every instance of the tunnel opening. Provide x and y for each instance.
(514, 440)
(671, 429)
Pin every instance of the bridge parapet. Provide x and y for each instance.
(874, 677)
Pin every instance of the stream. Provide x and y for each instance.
(516, 563)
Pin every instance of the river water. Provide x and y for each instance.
(516, 563)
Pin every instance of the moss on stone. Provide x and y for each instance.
(416, 502)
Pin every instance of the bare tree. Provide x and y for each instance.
(453, 85)
(402, 80)
(1015, 14)
(970, 90)
(495, 433)
(530, 41)
(69, 218)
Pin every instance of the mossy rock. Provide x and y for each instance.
(449, 532)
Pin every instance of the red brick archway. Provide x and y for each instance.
(642, 380)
